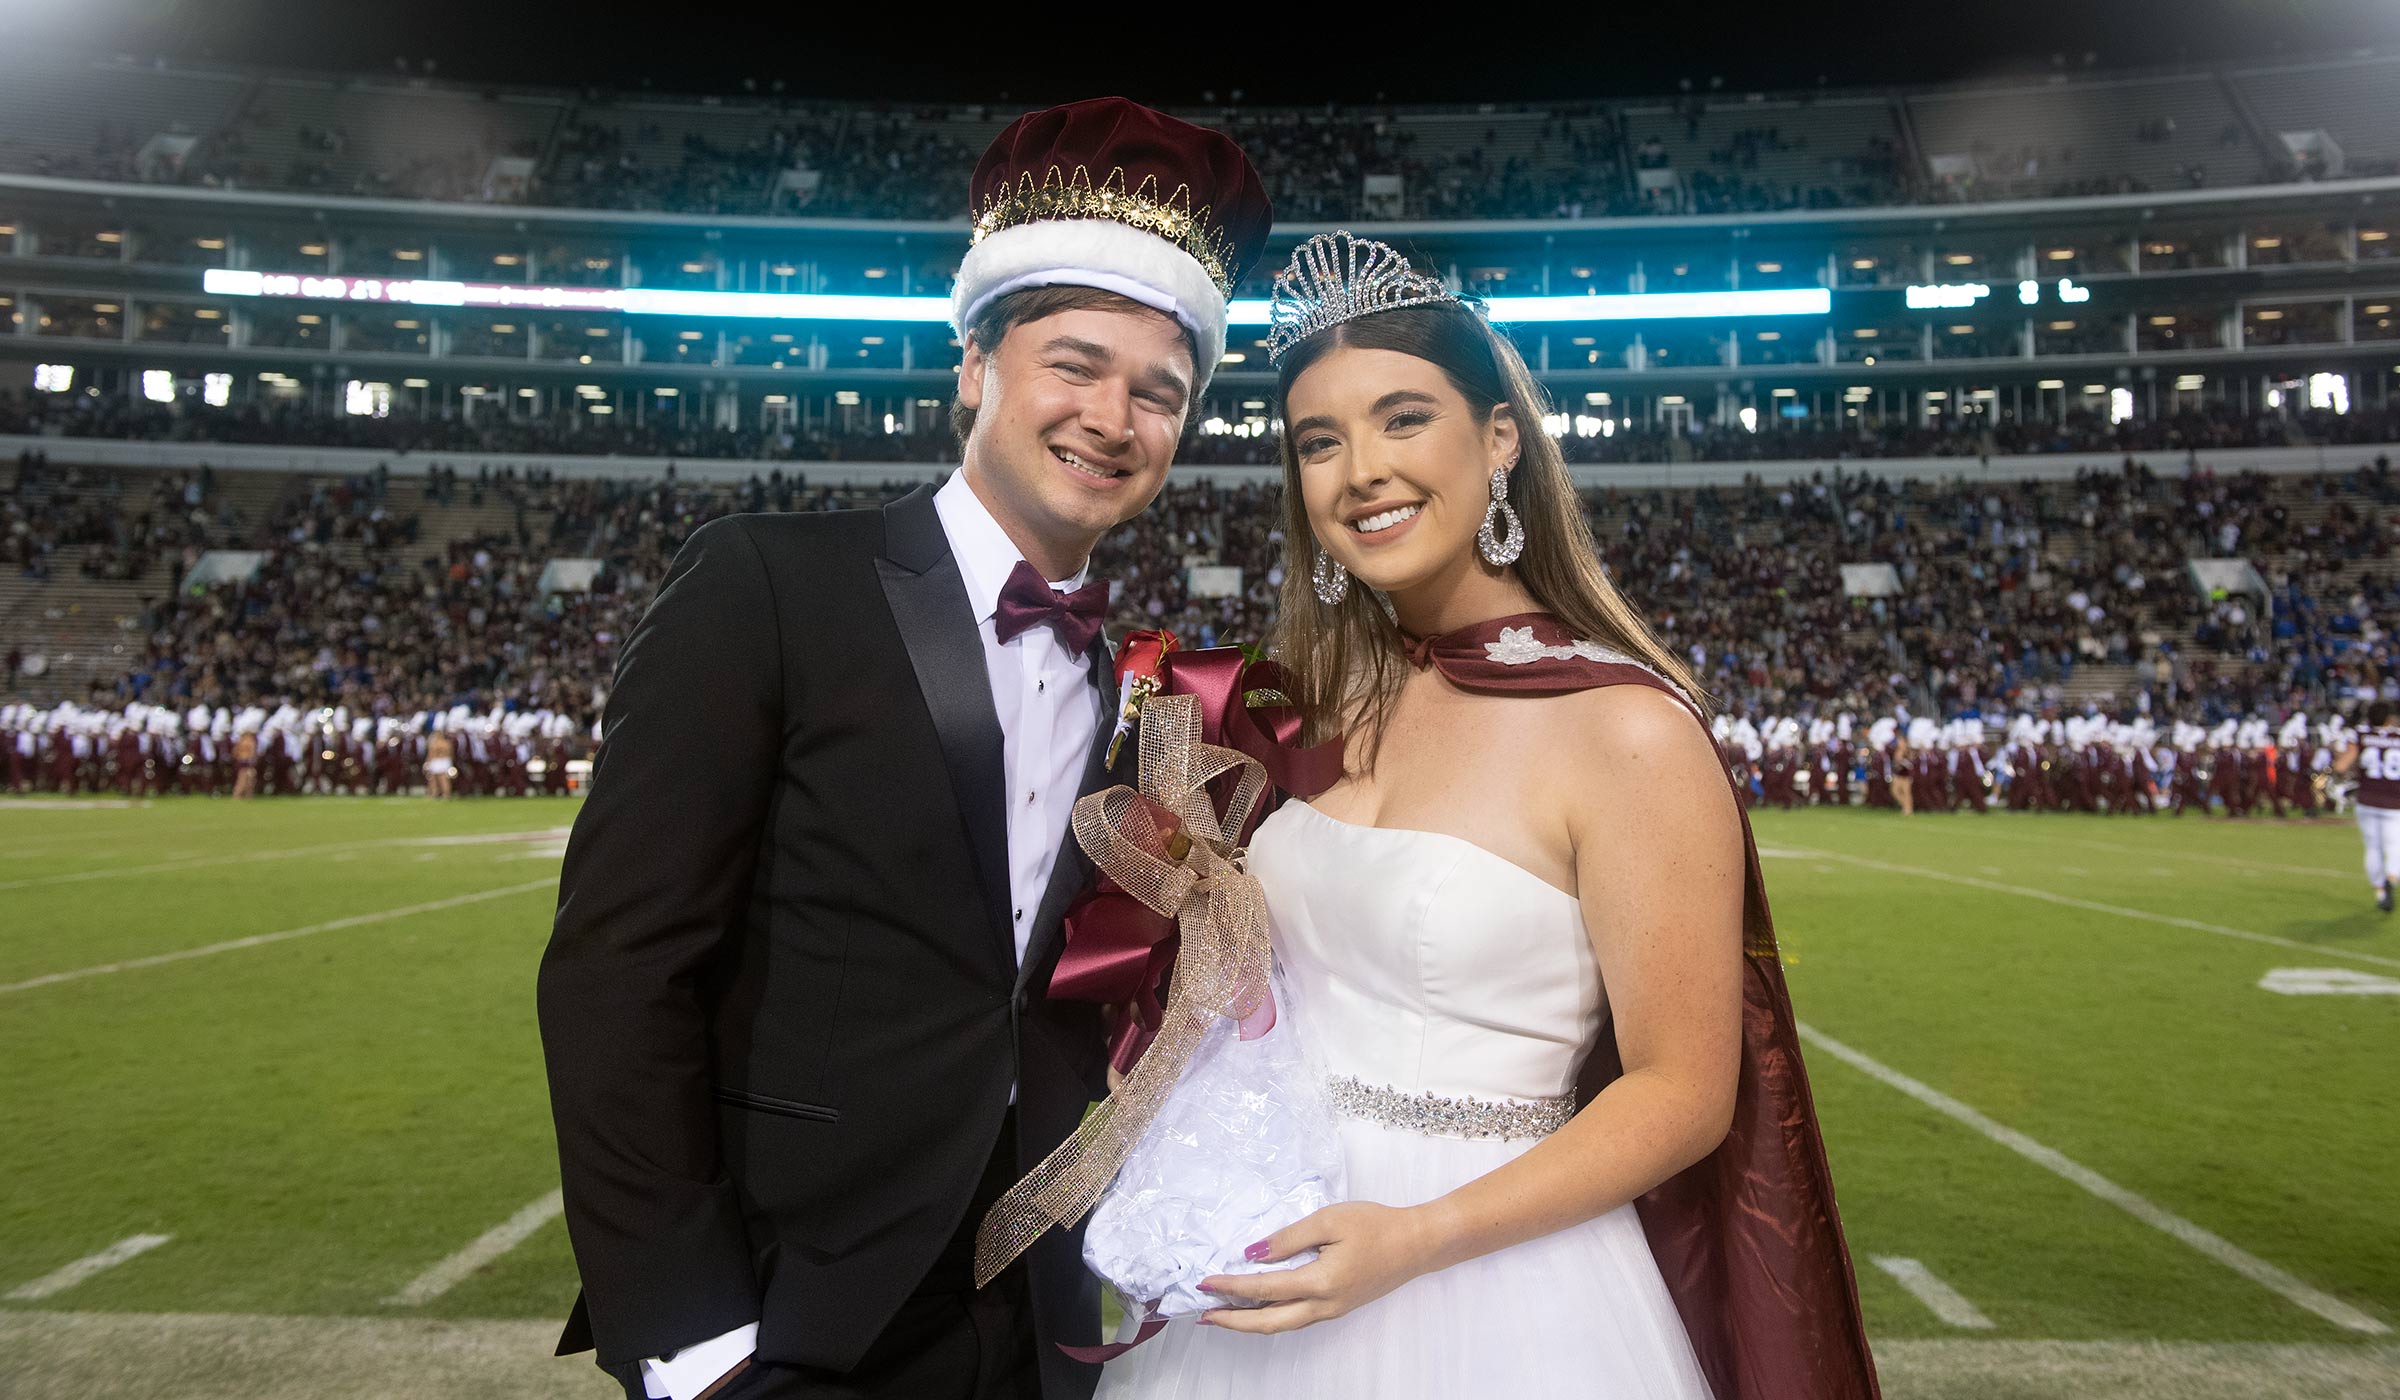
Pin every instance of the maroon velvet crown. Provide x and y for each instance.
(1111, 158)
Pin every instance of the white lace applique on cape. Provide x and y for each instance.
(1519, 647)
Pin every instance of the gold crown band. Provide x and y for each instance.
(1072, 196)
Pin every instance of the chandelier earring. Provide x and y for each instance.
(1497, 550)
(1330, 578)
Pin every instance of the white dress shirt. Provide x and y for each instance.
(1048, 708)
(1049, 713)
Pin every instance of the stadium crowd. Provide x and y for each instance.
(88, 523)
(2005, 590)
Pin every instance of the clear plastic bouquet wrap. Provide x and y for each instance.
(1243, 1146)
(1219, 1133)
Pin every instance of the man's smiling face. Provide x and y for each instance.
(1077, 415)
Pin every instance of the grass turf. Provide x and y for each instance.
(318, 1120)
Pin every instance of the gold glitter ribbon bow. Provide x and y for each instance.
(1166, 846)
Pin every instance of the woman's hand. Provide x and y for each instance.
(1363, 1252)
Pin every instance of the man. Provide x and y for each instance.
(1778, 770)
(1880, 770)
(2253, 772)
(1844, 758)
(2332, 737)
(794, 1003)
(2374, 750)
(2292, 783)
(1969, 774)
(1926, 791)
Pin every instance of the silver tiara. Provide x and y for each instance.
(1334, 277)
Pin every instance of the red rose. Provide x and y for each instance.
(1143, 656)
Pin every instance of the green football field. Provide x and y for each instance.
(2083, 1080)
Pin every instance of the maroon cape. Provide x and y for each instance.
(1747, 1237)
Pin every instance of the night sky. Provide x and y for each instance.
(1353, 52)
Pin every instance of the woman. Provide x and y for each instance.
(441, 761)
(1533, 865)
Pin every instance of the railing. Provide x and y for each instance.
(2283, 200)
(361, 461)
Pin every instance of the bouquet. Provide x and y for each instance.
(1218, 1133)
(1243, 1146)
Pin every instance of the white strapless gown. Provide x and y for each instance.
(1426, 964)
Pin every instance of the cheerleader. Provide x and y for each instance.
(441, 760)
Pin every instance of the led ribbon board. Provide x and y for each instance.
(816, 306)
(1954, 296)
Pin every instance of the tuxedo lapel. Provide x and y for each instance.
(1073, 869)
(928, 598)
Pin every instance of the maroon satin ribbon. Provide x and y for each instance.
(1117, 952)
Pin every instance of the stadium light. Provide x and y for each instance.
(933, 310)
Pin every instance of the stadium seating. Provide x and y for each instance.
(91, 120)
(374, 138)
(2088, 137)
(2068, 135)
(1839, 150)
(696, 156)
(2356, 100)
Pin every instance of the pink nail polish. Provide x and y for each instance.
(1258, 1251)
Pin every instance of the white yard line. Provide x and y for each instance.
(1945, 1302)
(482, 1250)
(74, 877)
(2205, 857)
(257, 940)
(2093, 905)
(2216, 1247)
(59, 1281)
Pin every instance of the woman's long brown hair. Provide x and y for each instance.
(1344, 661)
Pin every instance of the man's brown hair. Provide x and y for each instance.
(995, 321)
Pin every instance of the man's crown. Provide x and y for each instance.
(1334, 277)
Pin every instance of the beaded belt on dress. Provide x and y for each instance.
(1436, 1116)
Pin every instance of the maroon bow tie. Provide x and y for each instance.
(1027, 601)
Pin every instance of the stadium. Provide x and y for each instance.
(2008, 455)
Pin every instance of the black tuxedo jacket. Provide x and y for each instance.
(781, 1006)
